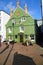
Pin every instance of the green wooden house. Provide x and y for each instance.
(20, 27)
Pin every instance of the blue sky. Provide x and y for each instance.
(33, 6)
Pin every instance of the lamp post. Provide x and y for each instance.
(13, 23)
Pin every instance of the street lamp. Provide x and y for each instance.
(13, 23)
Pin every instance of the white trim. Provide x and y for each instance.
(21, 29)
(26, 13)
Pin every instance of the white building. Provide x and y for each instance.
(42, 7)
(39, 22)
(4, 17)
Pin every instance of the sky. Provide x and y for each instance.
(34, 8)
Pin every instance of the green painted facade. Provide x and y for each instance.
(23, 20)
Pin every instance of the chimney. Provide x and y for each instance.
(11, 11)
(18, 3)
(26, 8)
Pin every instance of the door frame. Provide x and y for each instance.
(22, 35)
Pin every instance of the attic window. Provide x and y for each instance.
(23, 19)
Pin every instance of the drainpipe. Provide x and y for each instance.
(13, 30)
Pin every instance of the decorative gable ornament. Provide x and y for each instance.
(17, 13)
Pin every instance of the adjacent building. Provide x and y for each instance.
(4, 17)
(20, 26)
(38, 31)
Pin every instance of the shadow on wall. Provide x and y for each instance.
(22, 60)
(38, 34)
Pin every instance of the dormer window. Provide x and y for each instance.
(23, 19)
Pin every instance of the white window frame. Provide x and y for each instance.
(21, 29)
(22, 19)
(10, 29)
(10, 39)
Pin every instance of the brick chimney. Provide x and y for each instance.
(18, 3)
(11, 11)
(26, 8)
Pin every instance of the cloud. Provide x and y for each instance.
(32, 12)
(9, 5)
(6, 7)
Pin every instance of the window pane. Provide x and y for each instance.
(15, 36)
(10, 29)
(23, 19)
(21, 29)
(26, 36)
(10, 38)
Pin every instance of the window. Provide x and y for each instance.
(10, 29)
(32, 36)
(26, 36)
(10, 38)
(0, 20)
(21, 29)
(0, 27)
(13, 21)
(23, 19)
(0, 13)
(16, 36)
